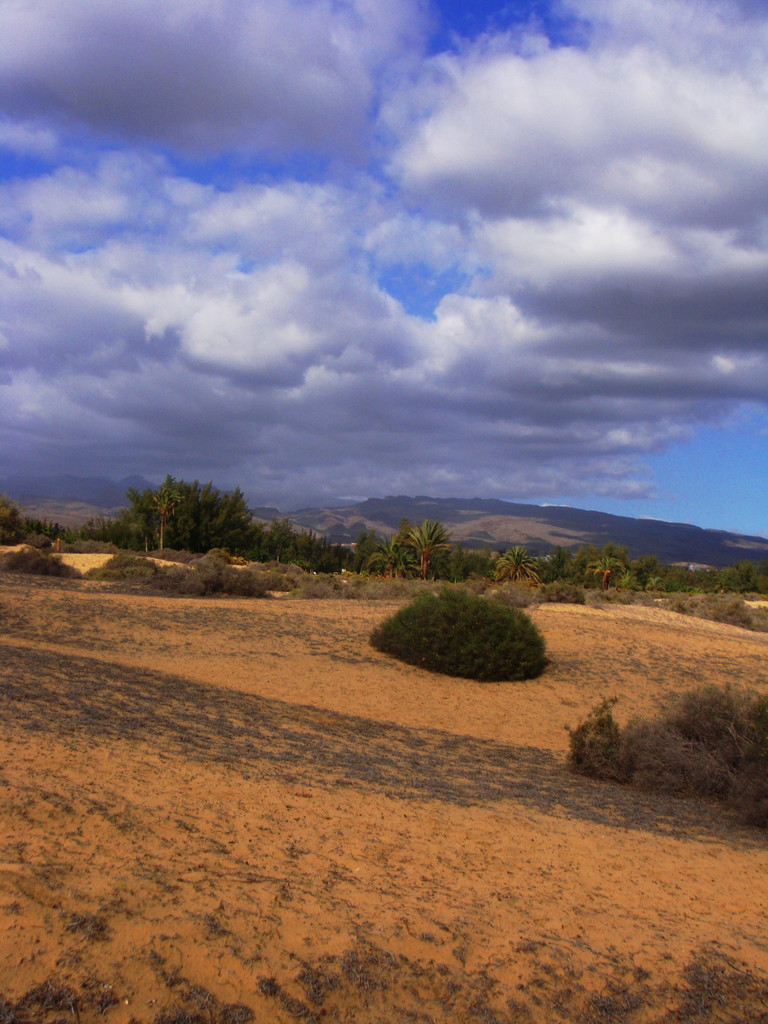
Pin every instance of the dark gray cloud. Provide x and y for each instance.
(204, 76)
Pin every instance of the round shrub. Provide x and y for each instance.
(461, 634)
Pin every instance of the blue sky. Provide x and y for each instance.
(328, 249)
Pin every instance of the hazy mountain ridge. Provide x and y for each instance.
(472, 522)
(91, 490)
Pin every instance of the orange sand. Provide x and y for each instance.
(210, 802)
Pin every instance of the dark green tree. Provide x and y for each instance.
(204, 517)
(605, 567)
(517, 565)
(165, 500)
(426, 539)
(391, 558)
(365, 545)
(558, 565)
(11, 521)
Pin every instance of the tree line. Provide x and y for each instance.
(199, 517)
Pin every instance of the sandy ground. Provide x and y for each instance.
(216, 808)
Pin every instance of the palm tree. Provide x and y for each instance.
(426, 539)
(605, 566)
(391, 557)
(165, 499)
(654, 583)
(627, 581)
(517, 565)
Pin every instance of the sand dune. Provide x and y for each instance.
(217, 805)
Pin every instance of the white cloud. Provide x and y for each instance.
(511, 133)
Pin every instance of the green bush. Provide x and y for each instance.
(461, 634)
(36, 563)
(124, 566)
(713, 742)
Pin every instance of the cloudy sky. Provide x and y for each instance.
(347, 248)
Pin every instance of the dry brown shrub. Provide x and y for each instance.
(32, 562)
(713, 742)
(727, 608)
(514, 595)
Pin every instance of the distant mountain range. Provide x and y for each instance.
(473, 522)
(481, 522)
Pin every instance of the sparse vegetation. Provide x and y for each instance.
(713, 742)
(460, 634)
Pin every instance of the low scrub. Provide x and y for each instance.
(513, 595)
(322, 586)
(562, 593)
(613, 595)
(461, 634)
(370, 588)
(172, 555)
(220, 554)
(124, 566)
(728, 608)
(210, 577)
(90, 547)
(355, 588)
(38, 540)
(34, 562)
(713, 742)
